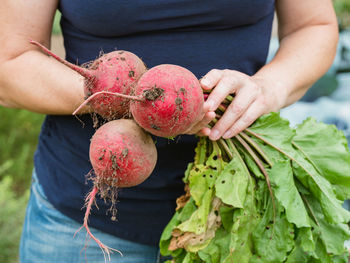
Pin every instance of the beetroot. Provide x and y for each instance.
(168, 100)
(122, 152)
(117, 71)
(172, 100)
(122, 155)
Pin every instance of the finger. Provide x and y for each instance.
(254, 112)
(206, 108)
(204, 132)
(208, 117)
(226, 85)
(210, 80)
(244, 98)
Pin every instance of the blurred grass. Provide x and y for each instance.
(342, 8)
(19, 130)
(56, 28)
(11, 219)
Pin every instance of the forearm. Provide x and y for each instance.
(304, 55)
(35, 82)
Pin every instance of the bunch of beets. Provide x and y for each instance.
(164, 101)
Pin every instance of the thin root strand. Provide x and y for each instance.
(106, 93)
(90, 199)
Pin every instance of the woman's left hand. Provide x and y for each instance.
(254, 96)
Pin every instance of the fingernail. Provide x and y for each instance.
(227, 135)
(214, 135)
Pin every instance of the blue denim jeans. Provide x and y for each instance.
(47, 237)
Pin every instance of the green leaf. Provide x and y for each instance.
(241, 239)
(245, 222)
(305, 239)
(187, 210)
(297, 256)
(231, 184)
(226, 214)
(326, 147)
(166, 235)
(187, 172)
(201, 151)
(304, 245)
(274, 131)
(332, 235)
(198, 220)
(251, 165)
(282, 183)
(274, 128)
(323, 191)
(217, 249)
(202, 177)
(273, 240)
(321, 254)
(198, 182)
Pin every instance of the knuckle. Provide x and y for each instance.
(255, 89)
(237, 128)
(247, 120)
(214, 102)
(237, 109)
(206, 121)
(226, 72)
(232, 131)
(220, 127)
(263, 102)
(214, 71)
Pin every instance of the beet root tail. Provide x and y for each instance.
(106, 93)
(90, 199)
(84, 72)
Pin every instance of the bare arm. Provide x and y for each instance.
(308, 34)
(28, 78)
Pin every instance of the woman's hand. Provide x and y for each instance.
(200, 127)
(254, 96)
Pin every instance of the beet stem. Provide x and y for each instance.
(84, 72)
(262, 169)
(107, 93)
(90, 199)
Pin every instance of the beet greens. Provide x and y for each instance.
(270, 194)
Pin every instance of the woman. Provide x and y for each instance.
(224, 42)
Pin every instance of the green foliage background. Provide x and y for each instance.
(342, 8)
(19, 130)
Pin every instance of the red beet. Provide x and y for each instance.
(122, 155)
(172, 100)
(120, 151)
(117, 71)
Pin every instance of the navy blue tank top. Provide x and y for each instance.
(197, 34)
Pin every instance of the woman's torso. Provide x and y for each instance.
(197, 34)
